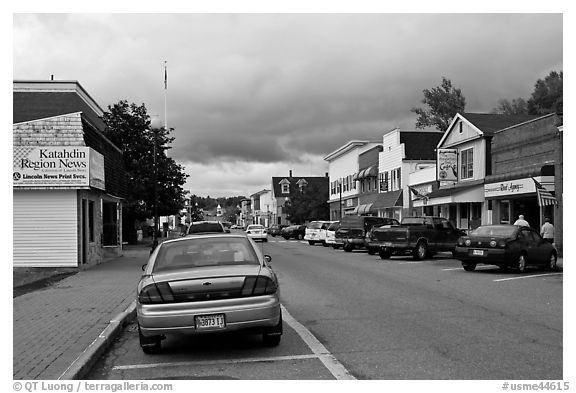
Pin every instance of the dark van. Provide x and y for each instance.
(353, 230)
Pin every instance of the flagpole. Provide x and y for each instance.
(166, 95)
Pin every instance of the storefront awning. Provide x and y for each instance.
(464, 194)
(363, 209)
(388, 199)
(368, 172)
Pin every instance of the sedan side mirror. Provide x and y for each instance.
(268, 258)
(144, 267)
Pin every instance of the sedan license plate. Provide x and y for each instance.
(479, 253)
(215, 321)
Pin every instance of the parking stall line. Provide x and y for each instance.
(461, 268)
(330, 362)
(214, 362)
(531, 276)
(408, 263)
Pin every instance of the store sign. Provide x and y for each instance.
(447, 168)
(509, 188)
(97, 170)
(57, 166)
(422, 190)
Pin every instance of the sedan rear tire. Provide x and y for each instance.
(311, 242)
(348, 247)
(553, 264)
(272, 337)
(521, 263)
(469, 266)
(384, 254)
(150, 345)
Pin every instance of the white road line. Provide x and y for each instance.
(215, 362)
(461, 268)
(407, 263)
(331, 363)
(532, 276)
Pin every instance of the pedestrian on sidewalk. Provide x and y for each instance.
(521, 221)
(547, 230)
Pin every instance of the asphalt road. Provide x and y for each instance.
(383, 320)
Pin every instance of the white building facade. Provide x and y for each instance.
(343, 168)
(403, 152)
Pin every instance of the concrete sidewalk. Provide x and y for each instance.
(59, 330)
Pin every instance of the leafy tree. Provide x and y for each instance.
(232, 214)
(443, 103)
(306, 204)
(128, 127)
(517, 106)
(547, 96)
(194, 210)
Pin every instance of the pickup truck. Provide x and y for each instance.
(419, 236)
(353, 230)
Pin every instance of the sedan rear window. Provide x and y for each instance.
(205, 227)
(204, 252)
(495, 231)
(314, 225)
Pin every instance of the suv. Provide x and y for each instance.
(202, 227)
(353, 230)
(316, 232)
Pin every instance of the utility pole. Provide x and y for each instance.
(340, 190)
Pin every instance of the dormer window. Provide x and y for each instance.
(285, 186)
(301, 184)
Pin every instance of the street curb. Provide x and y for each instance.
(82, 364)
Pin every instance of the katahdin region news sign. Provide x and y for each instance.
(58, 166)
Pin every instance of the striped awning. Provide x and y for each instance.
(362, 209)
(371, 171)
(545, 197)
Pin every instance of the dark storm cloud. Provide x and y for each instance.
(283, 90)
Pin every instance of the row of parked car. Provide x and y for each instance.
(507, 246)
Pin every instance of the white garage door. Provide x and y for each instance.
(45, 228)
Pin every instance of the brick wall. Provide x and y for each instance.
(528, 146)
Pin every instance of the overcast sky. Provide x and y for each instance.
(251, 96)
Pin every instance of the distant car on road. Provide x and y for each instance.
(316, 232)
(294, 232)
(419, 236)
(331, 235)
(203, 227)
(257, 232)
(507, 246)
(275, 229)
(353, 230)
(208, 284)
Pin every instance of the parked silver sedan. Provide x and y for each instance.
(208, 284)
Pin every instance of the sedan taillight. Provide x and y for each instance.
(258, 285)
(156, 293)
